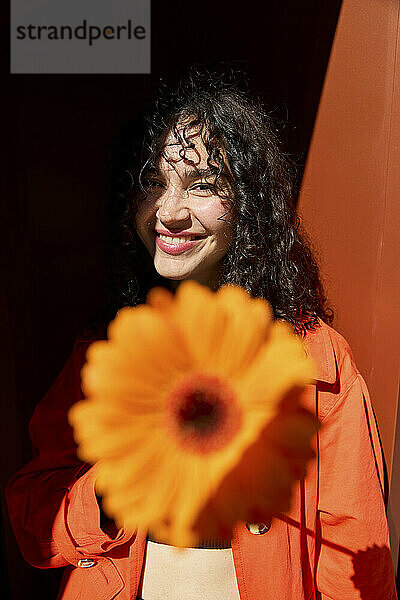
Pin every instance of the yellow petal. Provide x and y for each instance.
(279, 365)
(161, 299)
(142, 345)
(247, 325)
(223, 331)
(199, 320)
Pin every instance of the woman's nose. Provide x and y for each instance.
(173, 207)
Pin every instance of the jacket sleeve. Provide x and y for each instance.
(51, 501)
(352, 544)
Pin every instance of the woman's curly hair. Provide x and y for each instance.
(268, 256)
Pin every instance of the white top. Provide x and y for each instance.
(171, 573)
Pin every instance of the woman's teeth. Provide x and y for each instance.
(176, 240)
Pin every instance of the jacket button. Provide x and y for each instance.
(85, 563)
(258, 528)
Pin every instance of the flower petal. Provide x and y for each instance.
(223, 331)
(161, 299)
(247, 326)
(279, 365)
(150, 343)
(198, 318)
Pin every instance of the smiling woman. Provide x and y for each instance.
(201, 190)
(180, 215)
(204, 159)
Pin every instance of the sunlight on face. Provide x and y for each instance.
(182, 221)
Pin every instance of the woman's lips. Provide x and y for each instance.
(176, 248)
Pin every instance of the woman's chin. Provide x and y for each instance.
(175, 270)
(174, 274)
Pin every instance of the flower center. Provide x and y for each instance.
(202, 413)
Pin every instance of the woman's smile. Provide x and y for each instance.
(177, 244)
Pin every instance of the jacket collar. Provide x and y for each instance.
(318, 346)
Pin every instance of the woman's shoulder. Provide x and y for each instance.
(332, 354)
(338, 379)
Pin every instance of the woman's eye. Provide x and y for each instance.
(153, 183)
(203, 187)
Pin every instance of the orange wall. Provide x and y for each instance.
(350, 198)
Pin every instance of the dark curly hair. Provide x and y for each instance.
(268, 256)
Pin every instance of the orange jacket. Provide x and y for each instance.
(332, 545)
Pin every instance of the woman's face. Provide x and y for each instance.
(182, 221)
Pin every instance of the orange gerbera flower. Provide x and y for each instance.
(192, 413)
